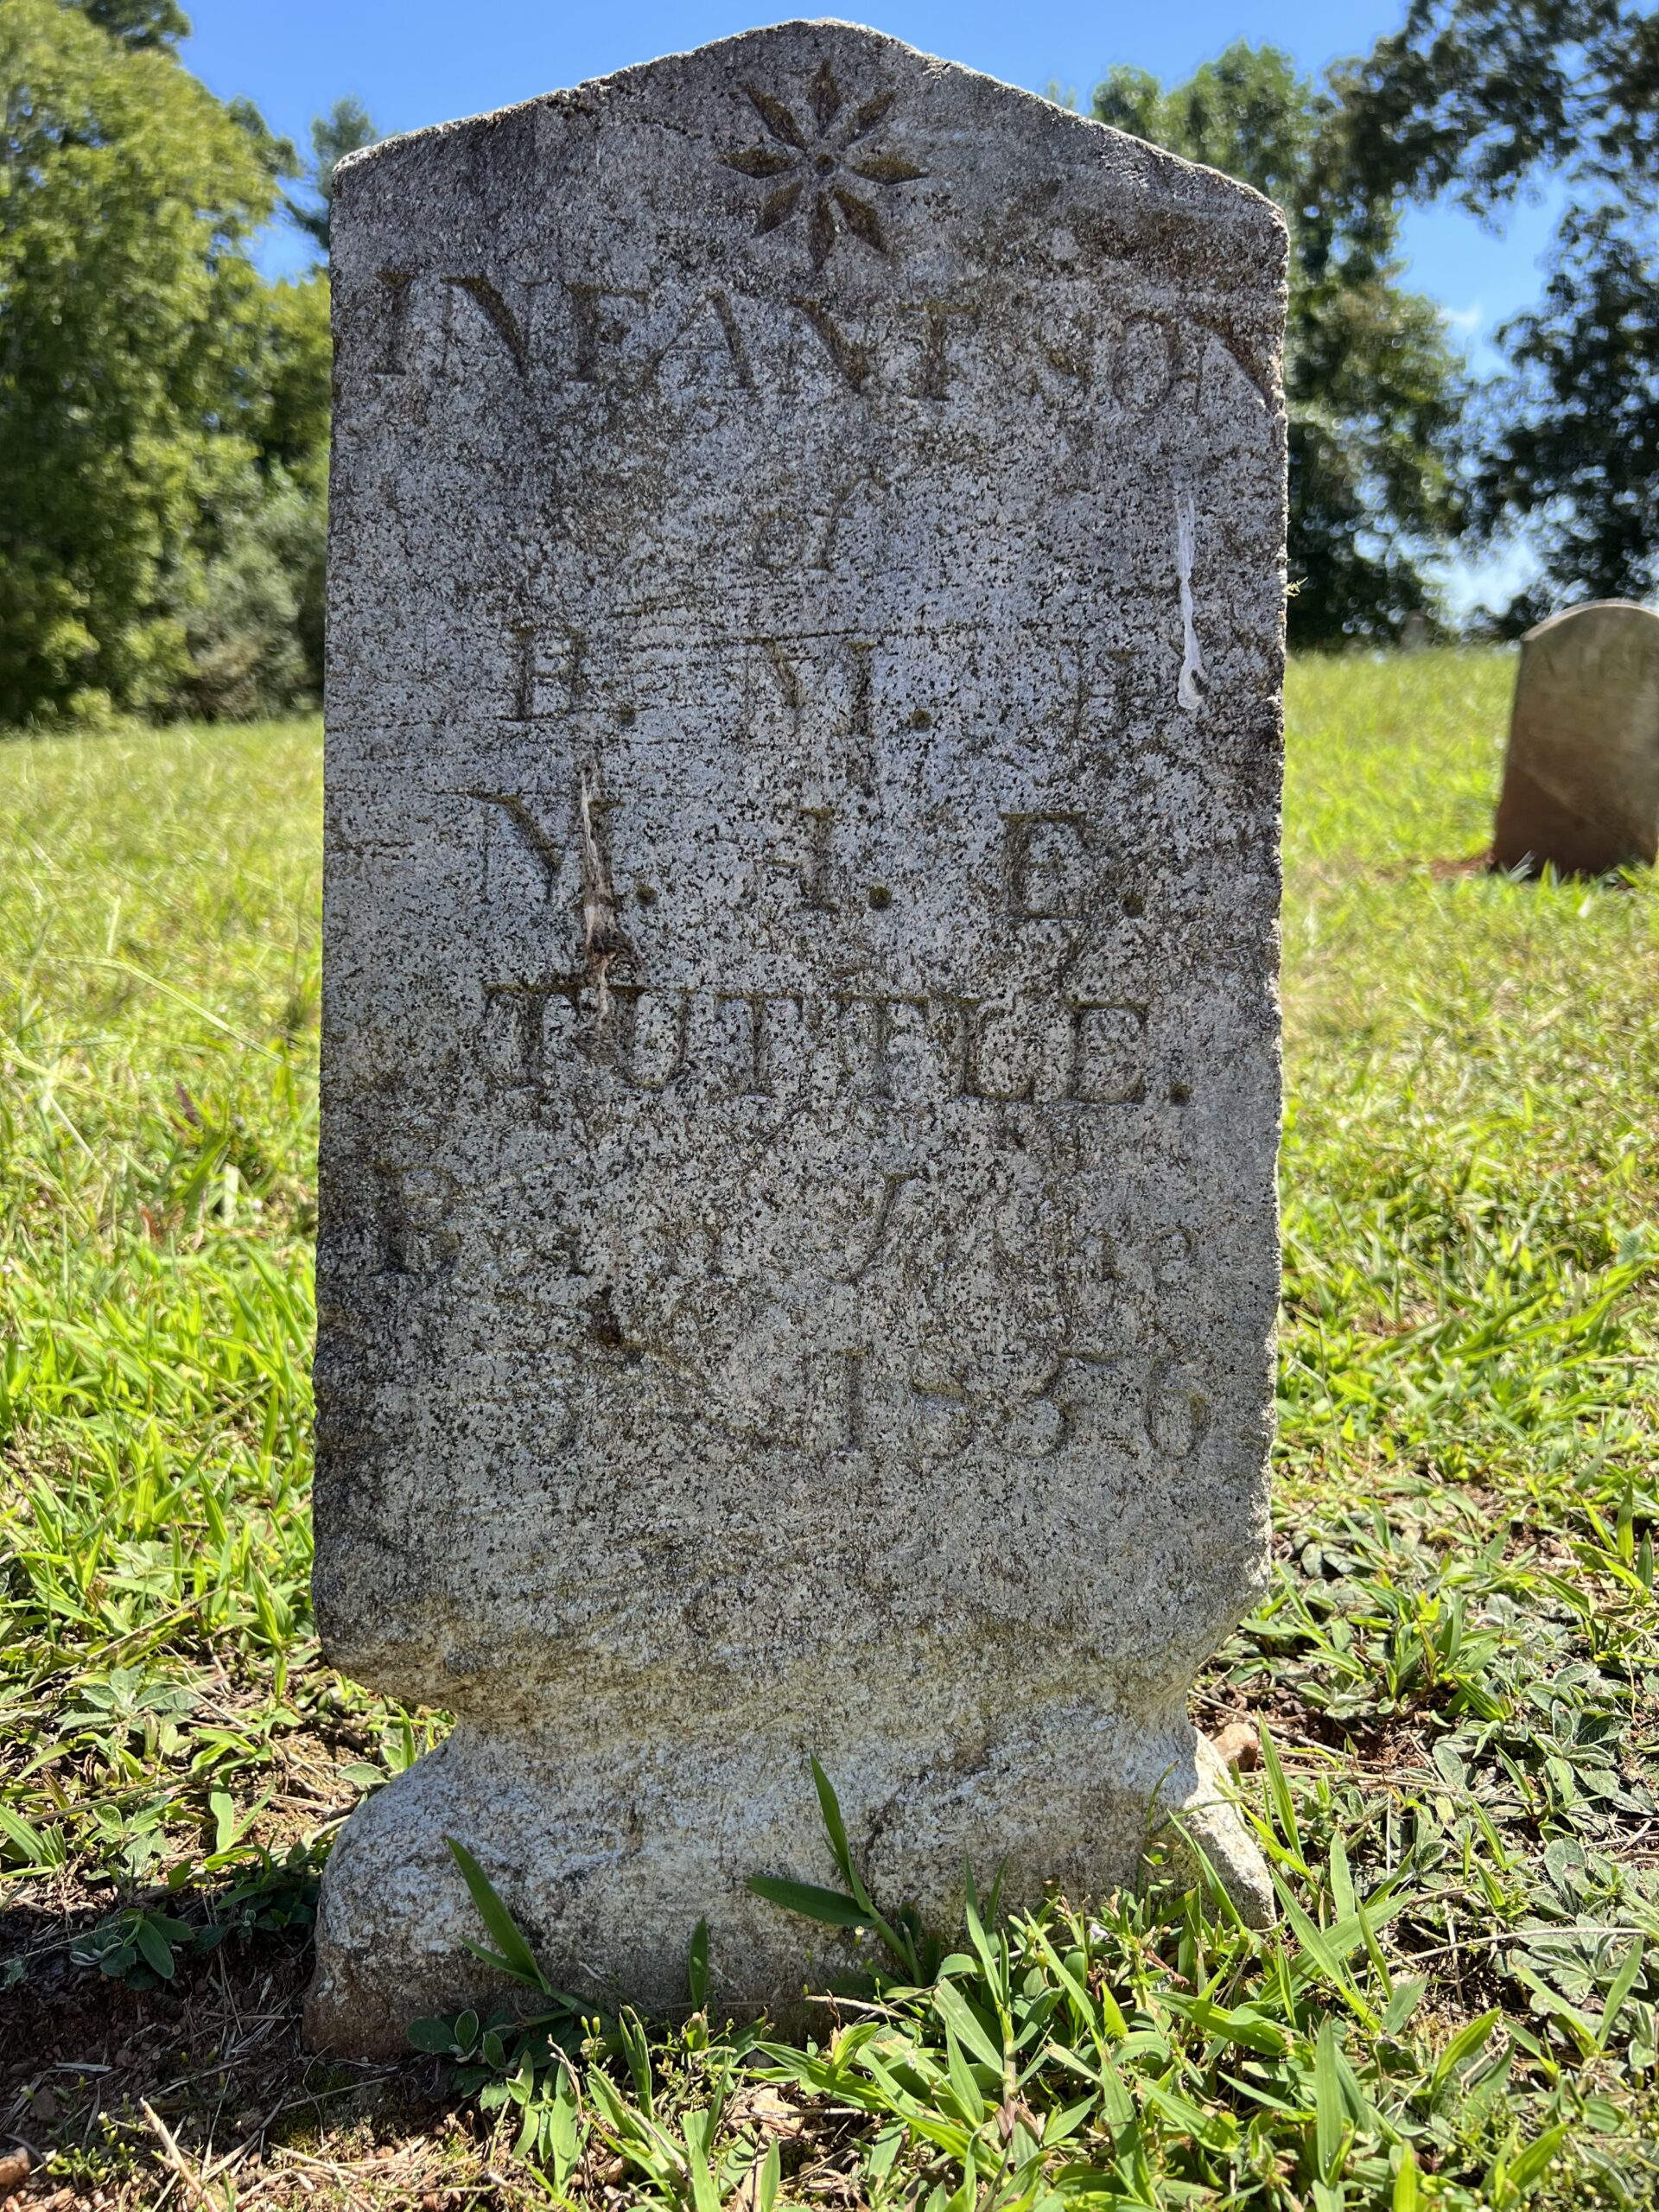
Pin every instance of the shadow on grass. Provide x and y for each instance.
(111, 2089)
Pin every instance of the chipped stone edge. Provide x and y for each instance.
(1206, 1841)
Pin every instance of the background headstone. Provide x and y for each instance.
(1581, 775)
(798, 1248)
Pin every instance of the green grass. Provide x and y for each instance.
(158, 1124)
(1457, 1666)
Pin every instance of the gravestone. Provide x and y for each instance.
(798, 1248)
(1581, 775)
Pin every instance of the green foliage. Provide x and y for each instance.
(142, 1945)
(252, 599)
(1247, 113)
(1477, 96)
(346, 129)
(1154, 2053)
(912, 1949)
(137, 23)
(292, 427)
(1484, 98)
(158, 940)
(1571, 455)
(288, 416)
(253, 619)
(164, 412)
(124, 310)
(1147, 2053)
(1373, 390)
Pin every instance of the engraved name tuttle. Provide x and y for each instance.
(710, 1041)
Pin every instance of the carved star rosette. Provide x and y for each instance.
(815, 168)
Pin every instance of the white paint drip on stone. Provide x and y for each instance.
(1188, 690)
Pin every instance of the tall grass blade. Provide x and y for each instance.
(510, 1950)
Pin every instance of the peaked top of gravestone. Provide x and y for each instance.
(877, 118)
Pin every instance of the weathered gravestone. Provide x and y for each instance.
(1581, 776)
(798, 1246)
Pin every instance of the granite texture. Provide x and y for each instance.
(798, 1250)
(1581, 776)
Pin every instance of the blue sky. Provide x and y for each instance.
(418, 62)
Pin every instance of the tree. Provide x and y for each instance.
(1373, 390)
(1571, 455)
(292, 427)
(1478, 99)
(1248, 111)
(130, 314)
(1477, 96)
(137, 23)
(345, 130)
(250, 597)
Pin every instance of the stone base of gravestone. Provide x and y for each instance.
(797, 1255)
(1581, 776)
(608, 1848)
